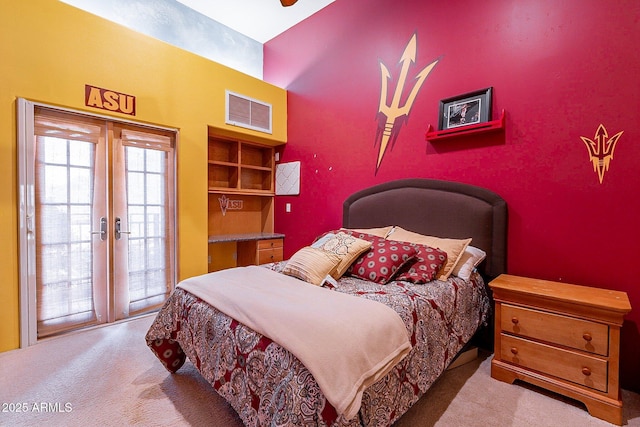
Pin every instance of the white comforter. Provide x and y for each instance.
(347, 343)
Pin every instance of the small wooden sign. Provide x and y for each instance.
(111, 100)
(227, 204)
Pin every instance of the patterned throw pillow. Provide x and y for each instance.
(368, 234)
(378, 231)
(425, 267)
(383, 261)
(453, 247)
(362, 234)
(343, 245)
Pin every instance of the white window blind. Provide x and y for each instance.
(149, 184)
(64, 192)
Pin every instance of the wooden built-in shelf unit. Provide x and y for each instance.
(242, 175)
(240, 167)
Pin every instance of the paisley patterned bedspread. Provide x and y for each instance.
(268, 386)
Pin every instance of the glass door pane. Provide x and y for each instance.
(147, 217)
(64, 216)
(149, 272)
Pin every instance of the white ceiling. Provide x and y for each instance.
(260, 20)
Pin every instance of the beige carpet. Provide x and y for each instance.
(107, 377)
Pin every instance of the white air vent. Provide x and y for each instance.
(249, 113)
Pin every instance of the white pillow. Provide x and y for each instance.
(468, 262)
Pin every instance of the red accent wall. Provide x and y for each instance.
(559, 69)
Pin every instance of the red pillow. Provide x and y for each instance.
(425, 266)
(383, 260)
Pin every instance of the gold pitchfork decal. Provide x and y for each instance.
(392, 112)
(601, 150)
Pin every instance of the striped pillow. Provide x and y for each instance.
(311, 265)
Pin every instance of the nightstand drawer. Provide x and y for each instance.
(553, 328)
(589, 371)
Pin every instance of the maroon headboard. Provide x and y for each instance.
(437, 208)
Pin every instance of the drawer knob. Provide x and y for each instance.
(514, 320)
(587, 337)
(586, 371)
(514, 350)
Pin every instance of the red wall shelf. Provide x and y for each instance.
(494, 125)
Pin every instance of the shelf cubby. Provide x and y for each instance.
(240, 167)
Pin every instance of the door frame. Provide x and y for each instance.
(26, 201)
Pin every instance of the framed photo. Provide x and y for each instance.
(464, 110)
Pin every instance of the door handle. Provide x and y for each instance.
(118, 232)
(103, 229)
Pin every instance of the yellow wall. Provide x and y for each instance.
(50, 50)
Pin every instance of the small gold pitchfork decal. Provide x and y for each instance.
(601, 150)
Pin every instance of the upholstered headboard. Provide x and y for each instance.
(437, 208)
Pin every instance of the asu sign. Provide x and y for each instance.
(226, 204)
(106, 99)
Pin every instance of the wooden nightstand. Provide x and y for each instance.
(562, 337)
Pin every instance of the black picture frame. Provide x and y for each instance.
(465, 110)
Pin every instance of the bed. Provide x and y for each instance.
(267, 385)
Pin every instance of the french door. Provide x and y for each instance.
(97, 217)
